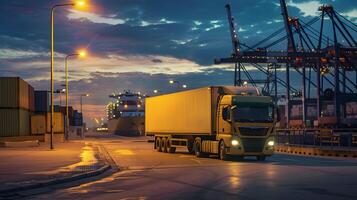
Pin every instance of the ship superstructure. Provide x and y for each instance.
(126, 113)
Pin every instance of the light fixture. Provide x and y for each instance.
(235, 142)
(271, 143)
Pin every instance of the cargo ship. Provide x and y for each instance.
(126, 114)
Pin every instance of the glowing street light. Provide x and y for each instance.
(80, 53)
(79, 4)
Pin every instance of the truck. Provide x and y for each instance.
(228, 121)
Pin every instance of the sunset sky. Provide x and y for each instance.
(137, 44)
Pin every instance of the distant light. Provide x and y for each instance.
(139, 106)
(171, 82)
(245, 83)
(184, 86)
(271, 143)
(80, 3)
(125, 106)
(155, 91)
(87, 95)
(82, 53)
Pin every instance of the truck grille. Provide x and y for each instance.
(253, 131)
(253, 144)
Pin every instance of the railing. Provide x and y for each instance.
(317, 137)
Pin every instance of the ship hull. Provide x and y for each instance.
(127, 126)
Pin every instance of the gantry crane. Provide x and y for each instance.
(308, 49)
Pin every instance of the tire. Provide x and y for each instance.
(164, 145)
(168, 146)
(222, 151)
(158, 144)
(197, 148)
(261, 158)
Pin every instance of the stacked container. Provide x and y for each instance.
(16, 104)
(77, 118)
(42, 102)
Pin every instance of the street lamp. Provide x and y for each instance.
(60, 92)
(81, 53)
(78, 3)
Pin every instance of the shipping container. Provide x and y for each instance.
(14, 122)
(38, 124)
(58, 122)
(14, 93)
(42, 102)
(31, 99)
(77, 119)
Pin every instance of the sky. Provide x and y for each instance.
(138, 45)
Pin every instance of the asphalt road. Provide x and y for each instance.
(147, 174)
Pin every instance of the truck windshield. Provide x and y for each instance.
(250, 113)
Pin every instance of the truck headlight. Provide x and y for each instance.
(235, 142)
(271, 143)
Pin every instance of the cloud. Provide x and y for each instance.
(13, 54)
(308, 8)
(351, 15)
(159, 22)
(95, 18)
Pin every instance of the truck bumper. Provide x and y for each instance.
(240, 152)
(252, 147)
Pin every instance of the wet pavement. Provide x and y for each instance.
(147, 174)
(28, 166)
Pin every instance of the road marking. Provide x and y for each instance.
(196, 160)
(125, 152)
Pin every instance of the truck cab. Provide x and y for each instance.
(245, 126)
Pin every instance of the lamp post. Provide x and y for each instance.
(60, 91)
(81, 54)
(79, 3)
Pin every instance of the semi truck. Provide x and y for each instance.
(223, 120)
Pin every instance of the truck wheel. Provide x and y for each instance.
(164, 144)
(197, 149)
(261, 158)
(222, 151)
(158, 144)
(168, 146)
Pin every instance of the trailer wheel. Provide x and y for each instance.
(222, 151)
(164, 145)
(158, 144)
(168, 146)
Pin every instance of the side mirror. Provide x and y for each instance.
(226, 114)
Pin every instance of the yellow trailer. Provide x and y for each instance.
(223, 120)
